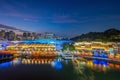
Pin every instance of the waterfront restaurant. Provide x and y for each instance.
(41, 47)
(88, 48)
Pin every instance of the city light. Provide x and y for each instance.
(57, 64)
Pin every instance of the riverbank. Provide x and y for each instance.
(6, 57)
(107, 59)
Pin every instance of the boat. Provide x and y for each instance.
(68, 56)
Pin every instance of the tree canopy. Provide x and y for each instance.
(68, 47)
(106, 36)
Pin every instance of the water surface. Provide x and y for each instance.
(56, 69)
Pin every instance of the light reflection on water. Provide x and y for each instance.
(57, 64)
(13, 62)
(37, 61)
(100, 65)
(5, 64)
(72, 70)
(93, 64)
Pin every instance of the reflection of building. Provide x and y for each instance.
(98, 65)
(37, 61)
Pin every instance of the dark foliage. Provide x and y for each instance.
(108, 35)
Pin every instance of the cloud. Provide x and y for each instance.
(68, 19)
(22, 16)
(105, 18)
(12, 9)
(65, 21)
(31, 20)
(79, 20)
(13, 5)
(17, 15)
(6, 6)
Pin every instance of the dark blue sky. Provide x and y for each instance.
(63, 17)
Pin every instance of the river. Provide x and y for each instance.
(57, 69)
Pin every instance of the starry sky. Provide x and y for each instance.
(63, 17)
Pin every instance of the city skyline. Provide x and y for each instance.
(68, 18)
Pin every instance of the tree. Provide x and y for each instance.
(65, 47)
(106, 36)
(71, 47)
(68, 47)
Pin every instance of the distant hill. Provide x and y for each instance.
(5, 27)
(108, 35)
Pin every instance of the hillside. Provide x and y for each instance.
(5, 27)
(108, 35)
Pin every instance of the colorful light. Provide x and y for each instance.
(57, 64)
(5, 64)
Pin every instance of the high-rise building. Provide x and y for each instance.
(49, 35)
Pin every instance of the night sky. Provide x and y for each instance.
(63, 17)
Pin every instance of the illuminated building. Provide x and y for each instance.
(117, 47)
(41, 47)
(98, 49)
(49, 35)
(93, 45)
